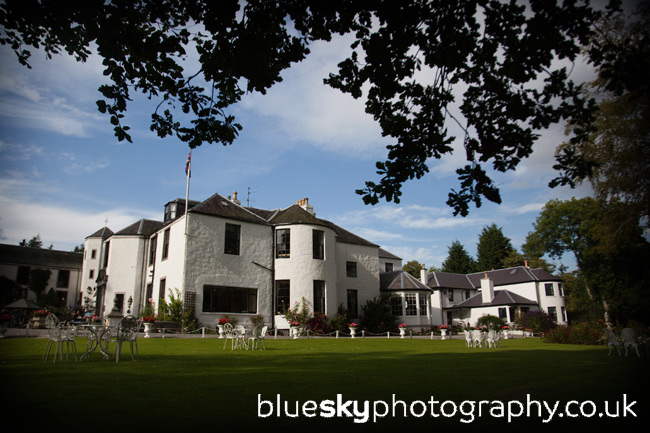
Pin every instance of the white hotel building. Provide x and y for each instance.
(224, 258)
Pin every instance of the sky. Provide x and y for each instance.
(64, 175)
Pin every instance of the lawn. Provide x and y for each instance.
(182, 384)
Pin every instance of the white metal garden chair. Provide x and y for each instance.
(468, 338)
(629, 340)
(127, 331)
(612, 341)
(491, 338)
(236, 336)
(477, 338)
(59, 334)
(258, 335)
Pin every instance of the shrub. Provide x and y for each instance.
(339, 322)
(299, 313)
(378, 314)
(319, 324)
(490, 322)
(582, 333)
(538, 321)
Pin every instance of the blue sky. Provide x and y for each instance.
(63, 173)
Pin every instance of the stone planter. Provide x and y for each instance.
(37, 322)
(294, 331)
(221, 331)
(353, 332)
(147, 329)
(506, 334)
(402, 332)
(443, 333)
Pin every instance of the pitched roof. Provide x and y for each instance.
(448, 280)
(400, 280)
(103, 233)
(218, 205)
(501, 297)
(143, 227)
(17, 255)
(295, 214)
(387, 255)
(500, 277)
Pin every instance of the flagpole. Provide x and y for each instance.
(187, 189)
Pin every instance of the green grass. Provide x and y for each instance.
(182, 384)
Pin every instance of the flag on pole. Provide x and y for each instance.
(187, 164)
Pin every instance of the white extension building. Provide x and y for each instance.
(224, 258)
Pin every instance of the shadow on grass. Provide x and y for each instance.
(180, 384)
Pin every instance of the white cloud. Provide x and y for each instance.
(22, 220)
(308, 110)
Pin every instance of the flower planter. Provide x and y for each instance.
(443, 333)
(294, 331)
(402, 332)
(221, 332)
(506, 334)
(353, 332)
(147, 329)
(3, 329)
(37, 322)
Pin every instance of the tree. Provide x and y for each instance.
(413, 267)
(410, 60)
(38, 279)
(517, 259)
(458, 260)
(615, 275)
(34, 242)
(493, 248)
(616, 155)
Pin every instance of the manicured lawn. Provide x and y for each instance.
(195, 385)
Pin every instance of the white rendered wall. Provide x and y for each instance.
(124, 270)
(171, 268)
(367, 280)
(90, 263)
(207, 264)
(301, 269)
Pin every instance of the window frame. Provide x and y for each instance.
(165, 247)
(283, 243)
(410, 300)
(281, 296)
(353, 303)
(318, 244)
(351, 269)
(548, 287)
(319, 297)
(232, 243)
(213, 301)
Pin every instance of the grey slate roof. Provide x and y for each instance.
(143, 227)
(218, 205)
(387, 255)
(501, 297)
(104, 233)
(400, 280)
(17, 255)
(500, 277)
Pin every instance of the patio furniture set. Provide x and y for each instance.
(99, 337)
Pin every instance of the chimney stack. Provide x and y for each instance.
(304, 203)
(423, 274)
(234, 198)
(487, 289)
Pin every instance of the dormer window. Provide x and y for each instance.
(170, 211)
